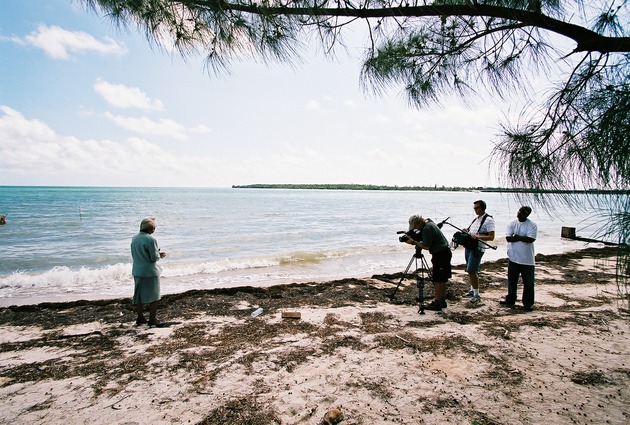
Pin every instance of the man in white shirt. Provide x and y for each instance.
(520, 235)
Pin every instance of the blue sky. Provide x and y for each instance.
(85, 103)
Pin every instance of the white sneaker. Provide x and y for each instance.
(470, 293)
(475, 300)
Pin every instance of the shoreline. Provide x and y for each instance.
(353, 352)
(344, 186)
(72, 299)
(457, 262)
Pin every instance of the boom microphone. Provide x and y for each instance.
(441, 223)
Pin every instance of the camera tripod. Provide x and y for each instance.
(419, 273)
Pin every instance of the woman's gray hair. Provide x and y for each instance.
(148, 224)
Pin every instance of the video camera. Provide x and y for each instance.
(412, 234)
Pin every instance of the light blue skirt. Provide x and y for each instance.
(147, 290)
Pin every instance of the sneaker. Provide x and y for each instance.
(528, 308)
(475, 300)
(470, 293)
(443, 303)
(434, 306)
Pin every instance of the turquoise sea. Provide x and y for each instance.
(70, 243)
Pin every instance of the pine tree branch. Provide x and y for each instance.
(587, 40)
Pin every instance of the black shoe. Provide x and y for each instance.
(159, 324)
(506, 303)
(443, 303)
(528, 308)
(434, 306)
(141, 322)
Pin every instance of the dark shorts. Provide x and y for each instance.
(441, 262)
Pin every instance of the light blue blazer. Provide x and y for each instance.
(145, 255)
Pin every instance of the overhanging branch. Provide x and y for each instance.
(587, 40)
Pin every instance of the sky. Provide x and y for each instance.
(85, 103)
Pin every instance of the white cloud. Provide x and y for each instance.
(121, 96)
(314, 105)
(33, 153)
(58, 43)
(13, 126)
(382, 119)
(328, 104)
(164, 128)
(199, 129)
(13, 39)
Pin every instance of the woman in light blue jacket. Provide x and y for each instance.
(146, 272)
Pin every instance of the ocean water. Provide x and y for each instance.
(71, 243)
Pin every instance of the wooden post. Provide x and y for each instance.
(568, 232)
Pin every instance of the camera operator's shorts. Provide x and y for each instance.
(473, 260)
(441, 261)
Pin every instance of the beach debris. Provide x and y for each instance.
(116, 406)
(402, 339)
(291, 315)
(332, 417)
(257, 312)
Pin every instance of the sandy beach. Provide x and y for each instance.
(354, 356)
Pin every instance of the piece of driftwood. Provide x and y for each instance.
(291, 315)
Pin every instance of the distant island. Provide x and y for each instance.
(419, 188)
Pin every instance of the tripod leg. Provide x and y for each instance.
(391, 296)
(420, 283)
(426, 267)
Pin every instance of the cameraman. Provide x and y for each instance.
(434, 241)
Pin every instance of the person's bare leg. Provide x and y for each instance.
(474, 280)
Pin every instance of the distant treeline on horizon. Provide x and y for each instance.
(419, 188)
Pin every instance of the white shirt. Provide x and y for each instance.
(522, 252)
(486, 227)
